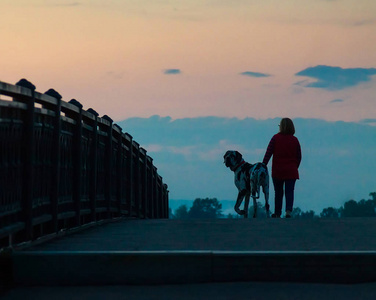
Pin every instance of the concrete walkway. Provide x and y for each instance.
(215, 291)
(351, 234)
(208, 239)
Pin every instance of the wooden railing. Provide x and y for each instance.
(62, 166)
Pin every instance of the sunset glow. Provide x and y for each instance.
(195, 58)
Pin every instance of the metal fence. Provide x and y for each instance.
(62, 166)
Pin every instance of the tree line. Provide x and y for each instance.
(211, 208)
(200, 209)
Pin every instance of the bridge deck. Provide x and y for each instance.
(215, 259)
(352, 234)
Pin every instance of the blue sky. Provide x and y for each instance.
(338, 157)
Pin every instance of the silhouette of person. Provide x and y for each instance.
(287, 155)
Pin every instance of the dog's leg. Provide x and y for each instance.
(246, 204)
(267, 206)
(265, 189)
(254, 207)
(239, 201)
(254, 196)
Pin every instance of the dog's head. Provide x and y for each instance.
(232, 158)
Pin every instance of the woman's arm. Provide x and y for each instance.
(269, 151)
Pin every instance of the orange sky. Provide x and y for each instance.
(111, 55)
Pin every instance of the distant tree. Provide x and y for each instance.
(205, 209)
(363, 208)
(352, 208)
(181, 212)
(349, 209)
(373, 195)
(296, 212)
(308, 215)
(366, 208)
(330, 212)
(233, 216)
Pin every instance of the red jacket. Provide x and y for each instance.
(287, 156)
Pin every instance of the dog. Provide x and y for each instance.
(248, 179)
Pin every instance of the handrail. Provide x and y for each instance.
(62, 166)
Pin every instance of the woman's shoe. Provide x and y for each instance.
(288, 214)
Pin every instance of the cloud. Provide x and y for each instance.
(115, 75)
(67, 4)
(186, 151)
(337, 101)
(172, 71)
(202, 151)
(369, 122)
(335, 78)
(364, 22)
(153, 148)
(254, 74)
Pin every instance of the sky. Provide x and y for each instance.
(338, 162)
(235, 60)
(193, 58)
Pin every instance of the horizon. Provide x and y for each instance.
(228, 206)
(366, 121)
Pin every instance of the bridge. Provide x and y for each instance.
(82, 205)
(62, 166)
(201, 259)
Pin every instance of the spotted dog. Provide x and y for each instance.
(248, 179)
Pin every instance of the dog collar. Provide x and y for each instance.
(243, 162)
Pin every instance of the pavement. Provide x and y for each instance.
(260, 235)
(350, 234)
(216, 291)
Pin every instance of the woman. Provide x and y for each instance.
(286, 151)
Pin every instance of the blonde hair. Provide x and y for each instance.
(286, 126)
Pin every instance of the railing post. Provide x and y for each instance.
(159, 197)
(161, 200)
(28, 155)
(93, 166)
(136, 178)
(129, 173)
(108, 166)
(149, 185)
(77, 161)
(165, 199)
(119, 169)
(55, 175)
(154, 192)
(144, 185)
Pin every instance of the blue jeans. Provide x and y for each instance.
(289, 185)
